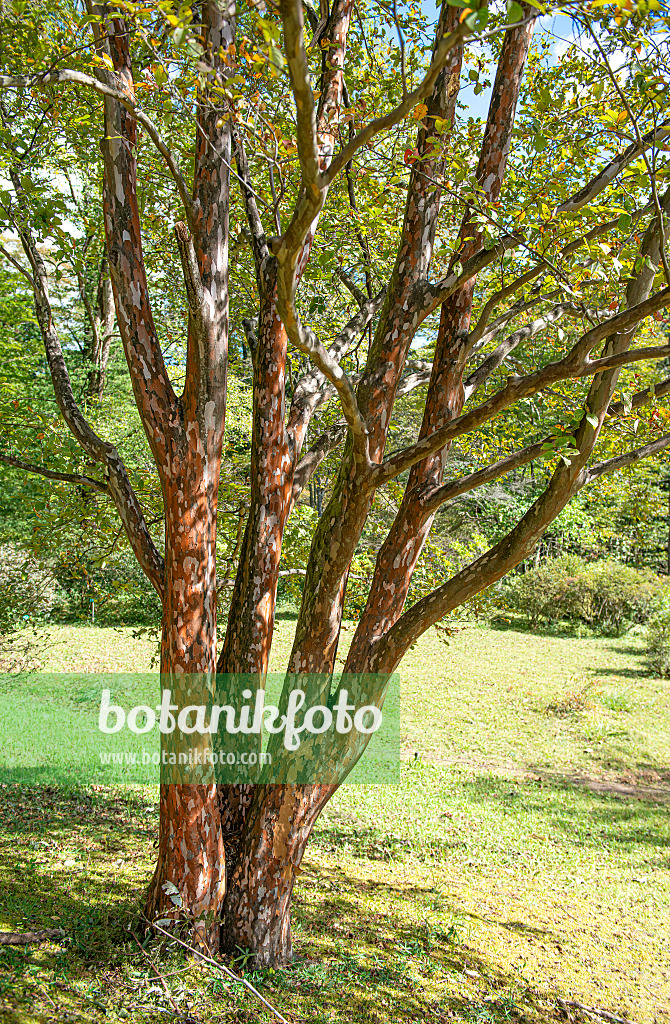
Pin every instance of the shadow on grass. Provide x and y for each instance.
(358, 942)
(61, 776)
(609, 816)
(560, 630)
(287, 615)
(359, 957)
(563, 630)
(622, 673)
(606, 818)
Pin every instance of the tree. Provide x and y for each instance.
(552, 216)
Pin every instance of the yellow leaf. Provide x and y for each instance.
(420, 111)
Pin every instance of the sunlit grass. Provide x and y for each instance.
(524, 859)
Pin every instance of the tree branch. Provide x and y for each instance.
(613, 168)
(574, 364)
(435, 498)
(17, 266)
(52, 474)
(351, 285)
(310, 392)
(640, 398)
(429, 296)
(499, 354)
(78, 78)
(258, 240)
(120, 487)
(311, 460)
(399, 113)
(621, 461)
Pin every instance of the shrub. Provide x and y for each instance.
(606, 595)
(27, 595)
(118, 592)
(657, 636)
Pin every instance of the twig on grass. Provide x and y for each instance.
(594, 1011)
(26, 938)
(221, 967)
(160, 977)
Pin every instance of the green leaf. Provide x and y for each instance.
(514, 12)
(477, 20)
(276, 56)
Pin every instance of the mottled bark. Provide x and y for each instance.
(191, 849)
(279, 819)
(186, 437)
(277, 829)
(276, 447)
(251, 619)
(341, 525)
(404, 543)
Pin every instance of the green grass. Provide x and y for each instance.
(524, 859)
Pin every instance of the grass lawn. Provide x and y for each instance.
(521, 866)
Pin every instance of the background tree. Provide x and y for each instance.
(530, 248)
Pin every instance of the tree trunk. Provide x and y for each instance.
(256, 913)
(191, 853)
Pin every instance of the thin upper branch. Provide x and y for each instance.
(399, 113)
(613, 169)
(54, 474)
(621, 461)
(259, 244)
(17, 266)
(66, 76)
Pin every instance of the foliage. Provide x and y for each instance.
(657, 636)
(607, 595)
(28, 591)
(114, 593)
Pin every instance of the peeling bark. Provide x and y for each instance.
(404, 543)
